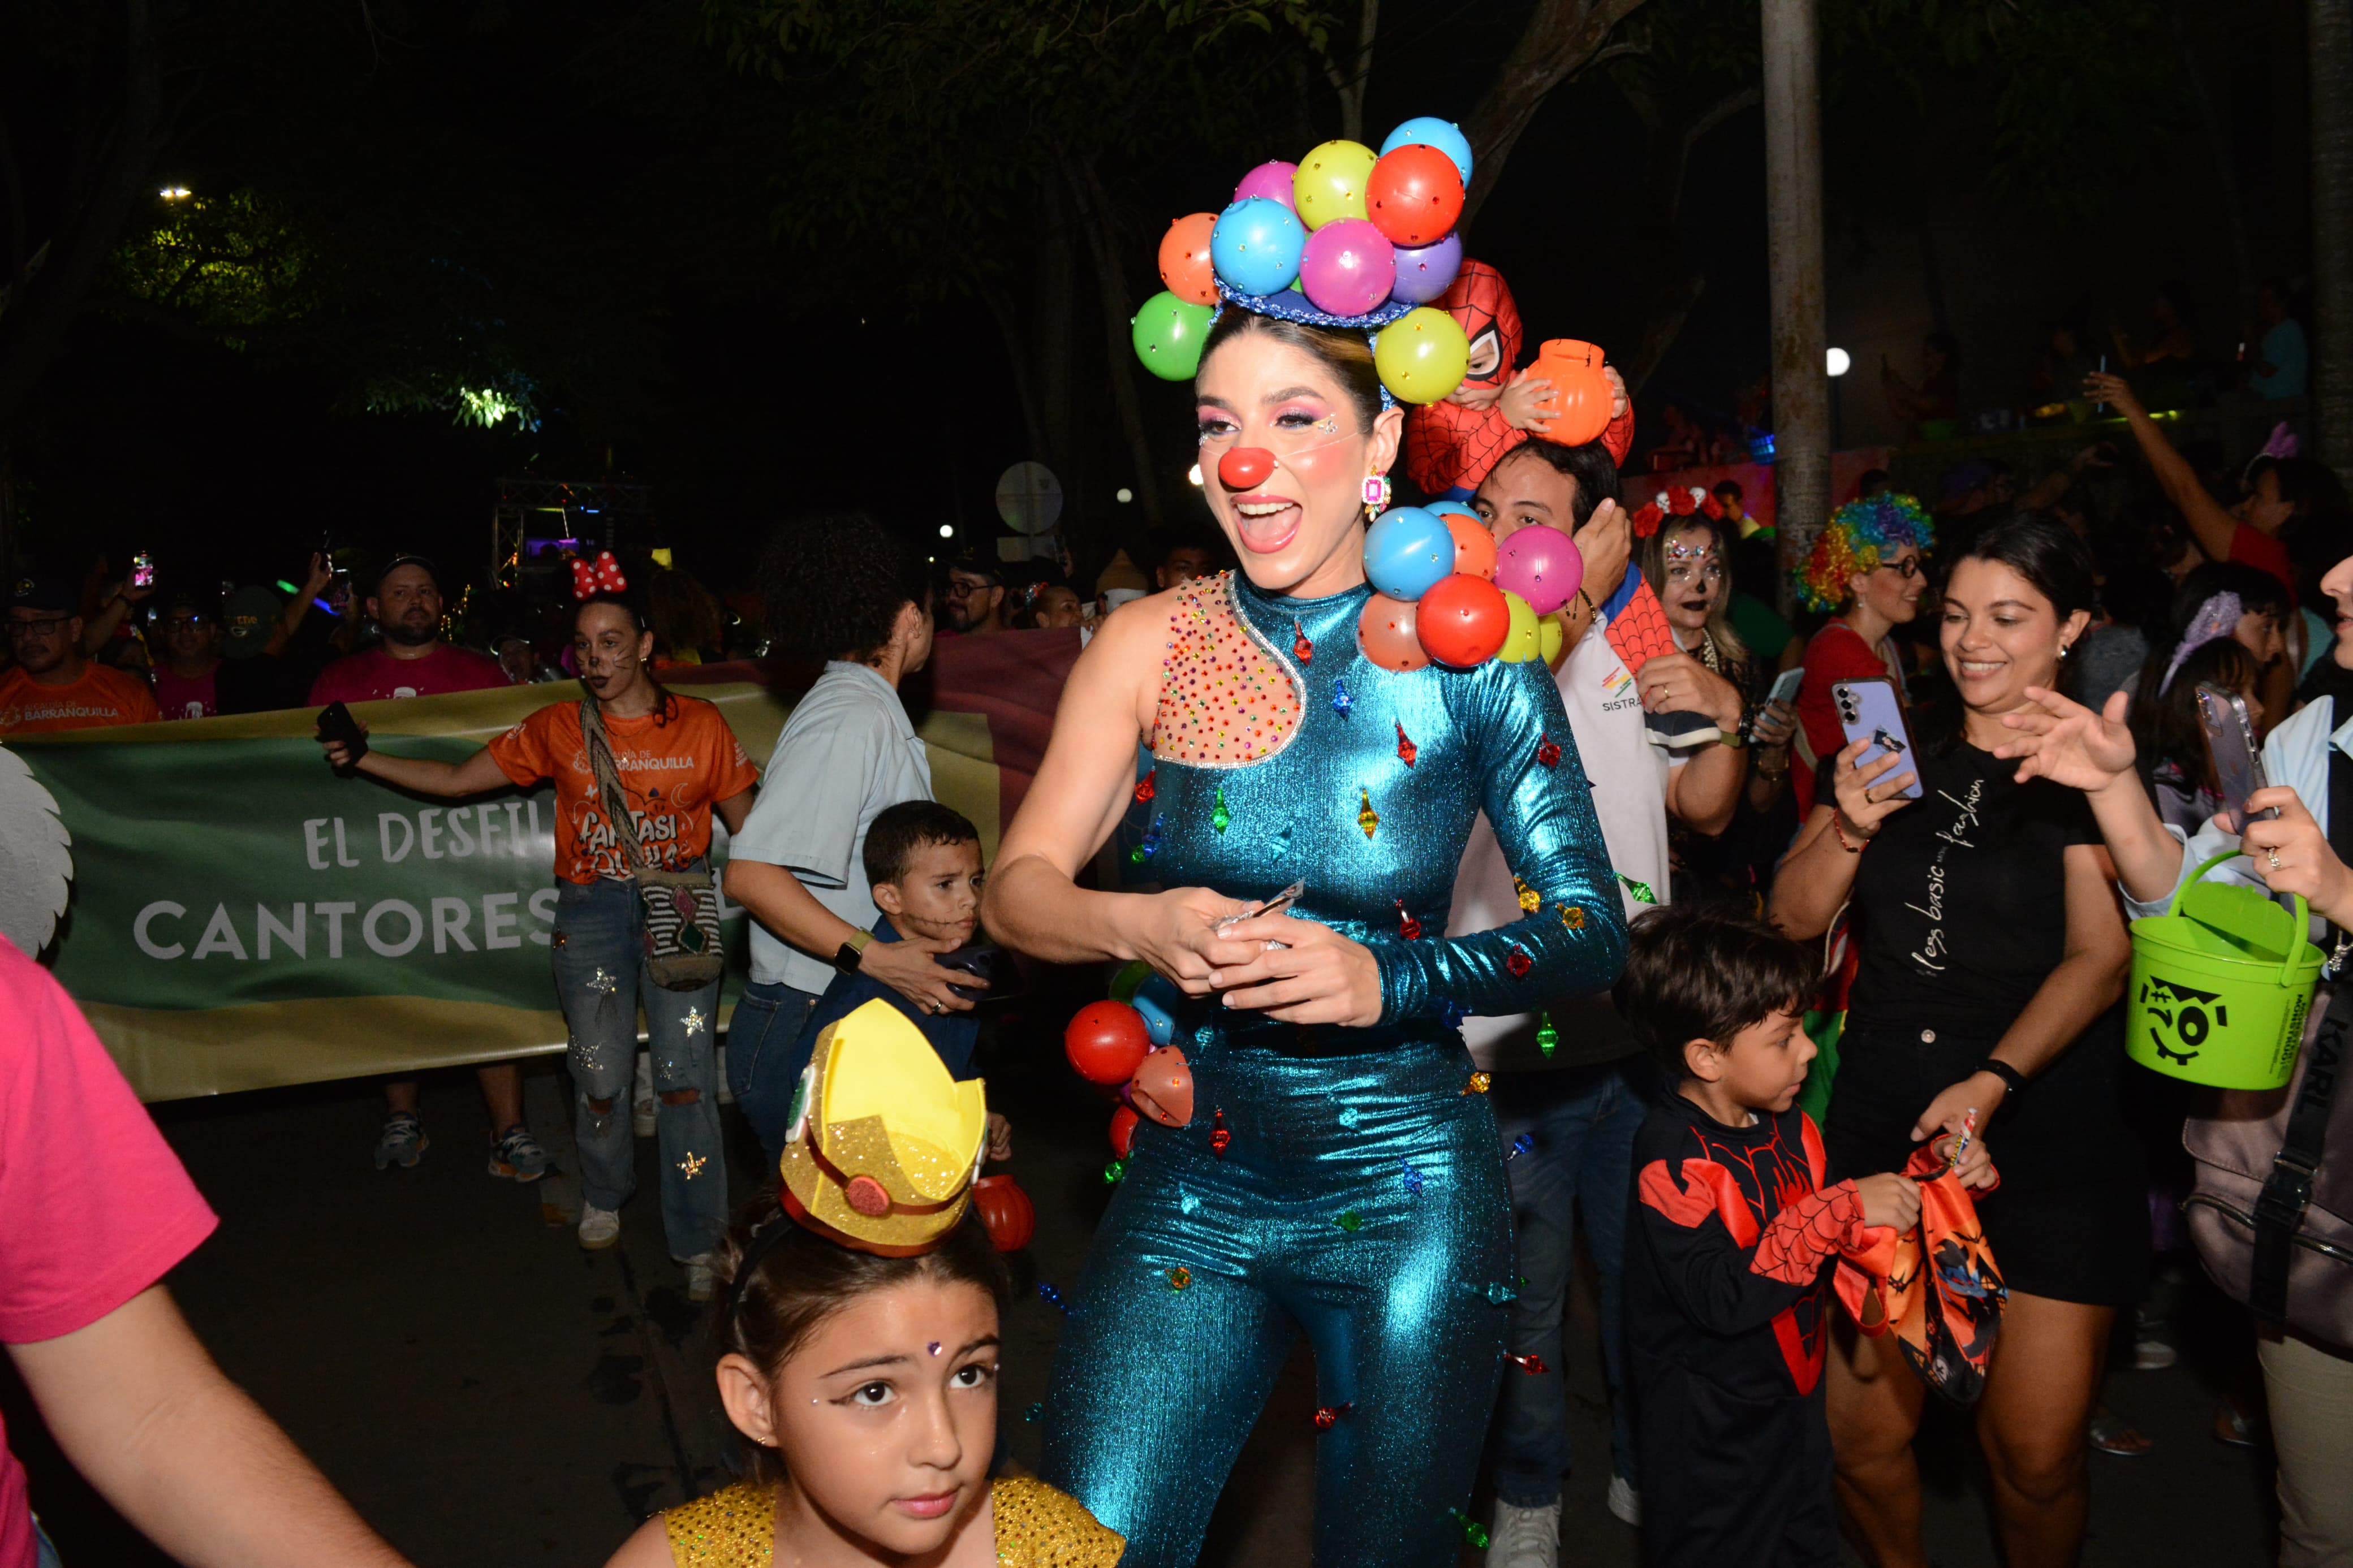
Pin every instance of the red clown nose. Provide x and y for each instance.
(1245, 467)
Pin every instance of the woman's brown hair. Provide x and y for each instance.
(1347, 355)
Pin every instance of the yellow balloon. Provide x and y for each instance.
(1330, 183)
(1522, 641)
(1551, 635)
(1422, 355)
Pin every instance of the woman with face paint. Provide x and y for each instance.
(677, 762)
(1339, 1175)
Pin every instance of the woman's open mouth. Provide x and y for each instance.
(1265, 522)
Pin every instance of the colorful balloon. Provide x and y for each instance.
(1475, 547)
(1524, 641)
(1348, 266)
(1185, 265)
(1271, 179)
(1385, 631)
(1255, 245)
(1330, 185)
(1462, 621)
(1432, 131)
(1423, 275)
(1414, 195)
(1123, 1130)
(1580, 397)
(1006, 1210)
(1106, 1042)
(1541, 565)
(1161, 1088)
(1406, 551)
(1422, 355)
(1552, 638)
(1128, 977)
(1158, 999)
(1168, 332)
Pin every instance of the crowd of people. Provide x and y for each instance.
(1638, 948)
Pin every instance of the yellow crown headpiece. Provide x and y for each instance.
(884, 1144)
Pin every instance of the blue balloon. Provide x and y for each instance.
(1408, 553)
(1158, 999)
(1455, 508)
(1256, 246)
(1423, 274)
(1432, 131)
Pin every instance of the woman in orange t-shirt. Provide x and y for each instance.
(677, 763)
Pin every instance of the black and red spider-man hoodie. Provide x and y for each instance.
(1727, 1301)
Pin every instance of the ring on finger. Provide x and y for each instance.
(2273, 856)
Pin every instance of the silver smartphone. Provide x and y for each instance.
(2238, 761)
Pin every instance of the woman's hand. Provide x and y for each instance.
(1317, 976)
(1776, 723)
(1678, 683)
(2291, 855)
(2067, 743)
(1524, 403)
(1979, 1095)
(1868, 797)
(1176, 932)
(907, 967)
(2112, 390)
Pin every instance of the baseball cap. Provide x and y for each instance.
(246, 619)
(43, 591)
(397, 562)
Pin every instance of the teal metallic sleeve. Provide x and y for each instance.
(1575, 940)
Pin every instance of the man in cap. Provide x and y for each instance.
(413, 661)
(55, 686)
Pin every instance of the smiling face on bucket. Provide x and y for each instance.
(1296, 523)
(2001, 634)
(884, 1415)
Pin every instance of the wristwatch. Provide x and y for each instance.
(846, 959)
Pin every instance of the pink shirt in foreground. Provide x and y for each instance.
(375, 674)
(94, 1207)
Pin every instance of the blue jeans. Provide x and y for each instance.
(765, 1058)
(599, 958)
(1583, 1120)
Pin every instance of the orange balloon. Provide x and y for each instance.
(1414, 195)
(1462, 621)
(1385, 630)
(1580, 393)
(1475, 547)
(1185, 259)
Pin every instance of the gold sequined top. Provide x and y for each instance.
(1036, 1526)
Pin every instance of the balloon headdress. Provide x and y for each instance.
(1860, 536)
(884, 1145)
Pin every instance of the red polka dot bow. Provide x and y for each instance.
(604, 577)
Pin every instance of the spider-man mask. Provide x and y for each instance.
(1447, 445)
(1481, 303)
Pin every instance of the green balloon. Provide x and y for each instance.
(1132, 974)
(1169, 333)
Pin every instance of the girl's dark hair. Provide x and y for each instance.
(2257, 589)
(800, 1278)
(1700, 971)
(2165, 727)
(2056, 562)
(1347, 355)
(833, 585)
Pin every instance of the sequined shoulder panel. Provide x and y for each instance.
(1038, 1527)
(1226, 697)
(732, 1529)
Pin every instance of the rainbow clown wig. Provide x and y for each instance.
(1860, 536)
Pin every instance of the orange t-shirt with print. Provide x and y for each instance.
(101, 698)
(674, 762)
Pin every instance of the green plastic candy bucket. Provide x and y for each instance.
(2221, 985)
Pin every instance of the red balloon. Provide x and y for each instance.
(1123, 1130)
(1385, 631)
(1581, 395)
(1463, 620)
(1106, 1042)
(1475, 547)
(1185, 266)
(1245, 467)
(1006, 1211)
(1414, 195)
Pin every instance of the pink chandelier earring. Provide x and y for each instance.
(1376, 495)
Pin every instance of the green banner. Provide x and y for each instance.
(240, 917)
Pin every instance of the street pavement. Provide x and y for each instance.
(487, 1393)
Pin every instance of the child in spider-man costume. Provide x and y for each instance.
(1736, 1232)
(1452, 444)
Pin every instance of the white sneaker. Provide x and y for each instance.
(599, 1229)
(698, 1285)
(1524, 1537)
(641, 1097)
(1626, 1501)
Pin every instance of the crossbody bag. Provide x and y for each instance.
(680, 907)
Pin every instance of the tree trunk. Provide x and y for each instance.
(1793, 195)
(1103, 239)
(2330, 50)
(1678, 283)
(1561, 37)
(1348, 81)
(1054, 323)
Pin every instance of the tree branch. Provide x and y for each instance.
(1562, 38)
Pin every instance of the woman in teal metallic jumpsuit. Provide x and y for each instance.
(1340, 1176)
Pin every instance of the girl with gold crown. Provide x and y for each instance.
(1338, 1175)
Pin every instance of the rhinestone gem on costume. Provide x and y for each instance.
(602, 982)
(1179, 1277)
(1300, 645)
(1548, 1037)
(1219, 1139)
(1328, 1416)
(1219, 817)
(1534, 1365)
(1052, 1297)
(1473, 1531)
(1341, 702)
(1530, 899)
(1572, 915)
(1499, 1294)
(1146, 786)
(1408, 927)
(1480, 1083)
(1147, 847)
(1520, 1145)
(1639, 889)
(1226, 696)
(694, 1162)
(695, 1021)
(1407, 750)
(1549, 752)
(1367, 818)
(1518, 963)
(1350, 1221)
(1113, 1172)
(1410, 1177)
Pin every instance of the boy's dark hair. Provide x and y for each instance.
(799, 1279)
(898, 830)
(1699, 972)
(834, 585)
(1590, 466)
(1728, 488)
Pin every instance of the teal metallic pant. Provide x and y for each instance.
(1361, 1201)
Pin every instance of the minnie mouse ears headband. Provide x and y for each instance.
(604, 577)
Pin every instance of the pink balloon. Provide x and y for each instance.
(1271, 180)
(1348, 266)
(1542, 565)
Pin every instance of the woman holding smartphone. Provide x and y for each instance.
(1867, 563)
(1981, 997)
